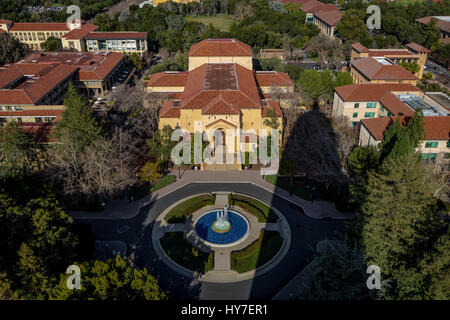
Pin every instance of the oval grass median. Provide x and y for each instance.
(182, 252)
(262, 211)
(180, 212)
(258, 253)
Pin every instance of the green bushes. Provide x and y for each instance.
(183, 253)
(179, 213)
(255, 207)
(258, 253)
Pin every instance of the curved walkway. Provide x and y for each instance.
(136, 233)
(122, 209)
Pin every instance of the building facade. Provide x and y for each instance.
(84, 38)
(434, 148)
(220, 93)
(412, 53)
(364, 101)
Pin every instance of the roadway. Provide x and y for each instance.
(136, 233)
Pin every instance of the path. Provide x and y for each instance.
(305, 233)
(122, 209)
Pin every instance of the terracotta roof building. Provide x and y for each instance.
(379, 70)
(33, 89)
(220, 93)
(435, 146)
(442, 22)
(413, 53)
(362, 101)
(81, 38)
(220, 51)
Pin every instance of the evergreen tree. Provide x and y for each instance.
(111, 280)
(16, 150)
(78, 123)
(399, 223)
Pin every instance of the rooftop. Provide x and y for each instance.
(414, 102)
(436, 128)
(331, 18)
(77, 34)
(381, 69)
(92, 65)
(372, 91)
(220, 48)
(443, 22)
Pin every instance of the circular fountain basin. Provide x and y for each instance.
(222, 233)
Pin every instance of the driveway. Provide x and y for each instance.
(136, 233)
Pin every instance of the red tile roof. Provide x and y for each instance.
(220, 48)
(372, 91)
(436, 128)
(388, 52)
(117, 35)
(395, 105)
(220, 89)
(41, 132)
(359, 47)
(271, 105)
(331, 18)
(167, 79)
(78, 34)
(273, 78)
(103, 69)
(5, 21)
(441, 24)
(374, 70)
(33, 90)
(35, 26)
(2, 31)
(417, 47)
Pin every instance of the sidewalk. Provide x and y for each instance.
(122, 209)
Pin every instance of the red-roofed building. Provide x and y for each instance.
(220, 51)
(434, 148)
(221, 92)
(79, 39)
(33, 89)
(379, 70)
(362, 101)
(412, 53)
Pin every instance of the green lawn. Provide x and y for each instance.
(284, 183)
(219, 21)
(182, 252)
(258, 253)
(164, 181)
(179, 213)
(255, 207)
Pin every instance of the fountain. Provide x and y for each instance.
(222, 225)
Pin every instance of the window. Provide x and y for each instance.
(369, 114)
(355, 114)
(356, 104)
(428, 157)
(431, 144)
(19, 120)
(38, 119)
(371, 105)
(448, 144)
(354, 123)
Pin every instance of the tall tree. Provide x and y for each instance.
(114, 279)
(78, 123)
(400, 224)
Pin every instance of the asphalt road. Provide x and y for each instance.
(136, 233)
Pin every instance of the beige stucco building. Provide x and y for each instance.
(434, 148)
(221, 93)
(412, 53)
